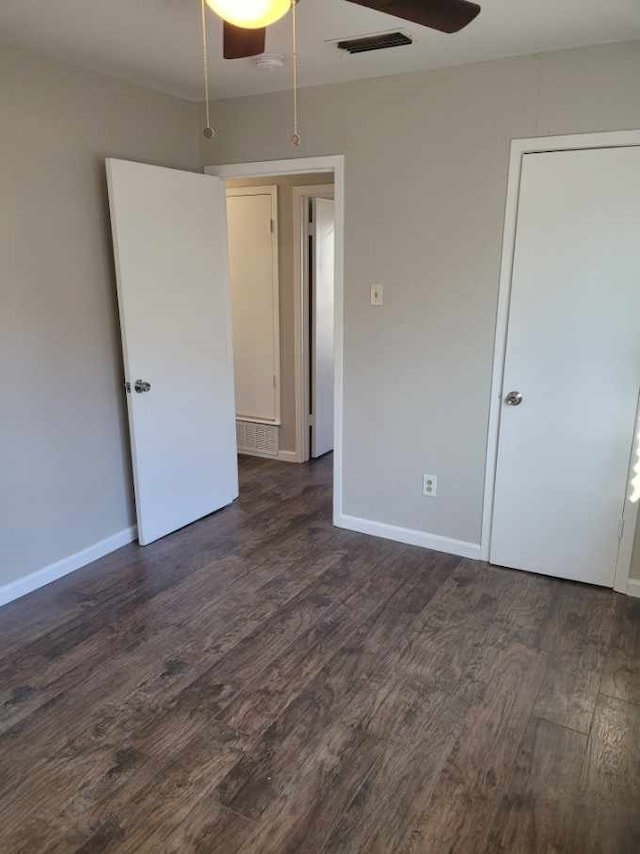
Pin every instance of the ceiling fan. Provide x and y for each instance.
(245, 21)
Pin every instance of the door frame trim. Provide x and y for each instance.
(520, 147)
(331, 164)
(301, 195)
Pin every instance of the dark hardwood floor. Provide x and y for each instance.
(263, 682)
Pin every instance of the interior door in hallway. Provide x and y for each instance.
(572, 366)
(170, 247)
(252, 215)
(321, 301)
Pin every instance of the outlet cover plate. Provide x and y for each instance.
(430, 485)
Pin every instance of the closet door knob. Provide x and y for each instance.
(514, 398)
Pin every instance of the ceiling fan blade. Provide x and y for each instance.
(447, 16)
(239, 42)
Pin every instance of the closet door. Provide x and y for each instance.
(572, 366)
(253, 259)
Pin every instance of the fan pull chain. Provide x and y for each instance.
(209, 132)
(295, 137)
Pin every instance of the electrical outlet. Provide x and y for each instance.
(377, 295)
(430, 485)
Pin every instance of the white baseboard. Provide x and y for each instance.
(251, 452)
(633, 588)
(288, 457)
(409, 536)
(41, 577)
(282, 456)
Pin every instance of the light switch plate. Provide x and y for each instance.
(377, 295)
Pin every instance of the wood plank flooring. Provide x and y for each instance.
(264, 682)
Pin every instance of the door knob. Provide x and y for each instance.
(142, 386)
(514, 398)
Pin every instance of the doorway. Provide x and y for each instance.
(171, 255)
(567, 363)
(309, 239)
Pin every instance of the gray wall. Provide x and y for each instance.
(285, 184)
(64, 469)
(426, 168)
(426, 177)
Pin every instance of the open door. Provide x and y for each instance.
(321, 300)
(170, 248)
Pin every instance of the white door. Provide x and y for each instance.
(253, 258)
(322, 326)
(573, 353)
(170, 247)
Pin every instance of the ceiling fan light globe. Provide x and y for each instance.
(250, 14)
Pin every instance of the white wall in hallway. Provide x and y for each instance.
(286, 237)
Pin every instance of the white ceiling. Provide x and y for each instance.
(157, 43)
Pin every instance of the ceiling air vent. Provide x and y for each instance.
(379, 42)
